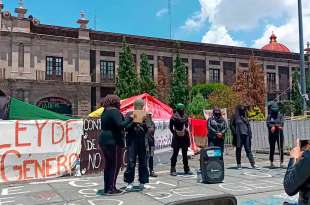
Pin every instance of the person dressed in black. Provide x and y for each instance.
(297, 177)
(275, 133)
(242, 135)
(151, 141)
(137, 146)
(111, 141)
(179, 128)
(217, 128)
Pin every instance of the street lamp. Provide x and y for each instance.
(302, 57)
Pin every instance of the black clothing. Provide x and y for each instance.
(113, 155)
(179, 123)
(216, 125)
(137, 146)
(4, 107)
(174, 158)
(111, 141)
(242, 134)
(275, 119)
(178, 126)
(240, 126)
(216, 143)
(246, 142)
(278, 138)
(151, 143)
(112, 127)
(297, 179)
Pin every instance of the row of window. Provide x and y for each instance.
(54, 71)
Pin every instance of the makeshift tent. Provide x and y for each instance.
(159, 110)
(15, 109)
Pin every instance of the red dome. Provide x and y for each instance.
(275, 46)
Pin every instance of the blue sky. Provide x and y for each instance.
(244, 23)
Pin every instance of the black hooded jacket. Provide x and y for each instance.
(178, 122)
(216, 125)
(297, 179)
(239, 125)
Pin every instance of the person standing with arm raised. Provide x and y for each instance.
(111, 141)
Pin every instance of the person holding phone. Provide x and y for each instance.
(275, 125)
(297, 177)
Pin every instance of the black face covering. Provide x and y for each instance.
(242, 111)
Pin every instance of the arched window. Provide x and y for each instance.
(21, 52)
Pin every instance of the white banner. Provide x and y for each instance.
(162, 136)
(208, 113)
(38, 148)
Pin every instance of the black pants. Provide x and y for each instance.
(278, 138)
(137, 148)
(151, 158)
(216, 143)
(113, 155)
(174, 158)
(246, 142)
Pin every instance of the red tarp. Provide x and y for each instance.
(199, 127)
(159, 110)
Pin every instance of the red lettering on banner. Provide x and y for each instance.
(61, 162)
(67, 131)
(17, 130)
(40, 169)
(48, 166)
(72, 158)
(53, 132)
(40, 127)
(2, 165)
(27, 169)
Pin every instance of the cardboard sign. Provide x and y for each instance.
(139, 116)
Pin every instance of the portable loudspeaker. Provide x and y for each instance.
(212, 165)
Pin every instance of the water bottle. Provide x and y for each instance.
(199, 177)
(78, 169)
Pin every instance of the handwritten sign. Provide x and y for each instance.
(38, 148)
(92, 160)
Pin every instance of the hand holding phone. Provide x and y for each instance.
(296, 151)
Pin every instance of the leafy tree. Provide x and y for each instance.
(206, 89)
(250, 86)
(197, 105)
(296, 98)
(179, 91)
(147, 83)
(225, 98)
(127, 81)
(256, 114)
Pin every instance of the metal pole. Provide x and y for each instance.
(170, 18)
(302, 56)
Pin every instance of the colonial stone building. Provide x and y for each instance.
(70, 69)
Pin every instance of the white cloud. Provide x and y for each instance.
(208, 10)
(220, 35)
(287, 33)
(225, 16)
(162, 12)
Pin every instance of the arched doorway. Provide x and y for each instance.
(56, 104)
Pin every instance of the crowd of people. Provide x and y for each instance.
(118, 131)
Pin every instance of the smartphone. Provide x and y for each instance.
(303, 143)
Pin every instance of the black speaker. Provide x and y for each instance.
(212, 165)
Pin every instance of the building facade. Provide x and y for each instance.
(69, 70)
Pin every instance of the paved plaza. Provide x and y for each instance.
(251, 187)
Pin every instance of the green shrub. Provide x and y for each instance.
(197, 105)
(206, 89)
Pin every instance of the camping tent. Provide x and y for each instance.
(159, 110)
(14, 109)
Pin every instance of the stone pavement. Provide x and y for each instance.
(251, 187)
